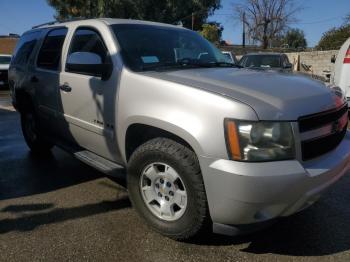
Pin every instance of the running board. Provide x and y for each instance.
(98, 162)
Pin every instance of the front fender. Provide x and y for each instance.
(195, 115)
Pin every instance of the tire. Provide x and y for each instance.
(32, 132)
(191, 217)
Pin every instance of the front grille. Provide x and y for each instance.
(317, 120)
(318, 147)
(336, 120)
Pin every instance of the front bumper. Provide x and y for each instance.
(242, 193)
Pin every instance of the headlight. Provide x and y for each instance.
(259, 141)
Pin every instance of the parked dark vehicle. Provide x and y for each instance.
(4, 66)
(266, 61)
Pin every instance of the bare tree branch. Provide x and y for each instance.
(267, 19)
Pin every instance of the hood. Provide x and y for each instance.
(273, 95)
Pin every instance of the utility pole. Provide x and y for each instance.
(192, 21)
(243, 34)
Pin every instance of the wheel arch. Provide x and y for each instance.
(140, 132)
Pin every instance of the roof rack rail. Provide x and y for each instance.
(59, 21)
(48, 23)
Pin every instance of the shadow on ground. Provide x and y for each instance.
(56, 215)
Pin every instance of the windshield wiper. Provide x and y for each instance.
(196, 62)
(159, 66)
(187, 63)
(228, 64)
(181, 64)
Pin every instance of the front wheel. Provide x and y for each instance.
(166, 188)
(32, 136)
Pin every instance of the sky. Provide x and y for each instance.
(316, 17)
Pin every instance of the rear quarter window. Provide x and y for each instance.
(49, 56)
(24, 47)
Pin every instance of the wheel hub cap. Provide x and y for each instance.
(163, 191)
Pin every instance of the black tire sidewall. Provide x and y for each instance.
(192, 217)
(39, 145)
(24, 123)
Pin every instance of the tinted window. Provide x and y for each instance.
(25, 47)
(5, 60)
(87, 40)
(50, 53)
(145, 47)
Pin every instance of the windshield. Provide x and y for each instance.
(262, 61)
(149, 47)
(5, 60)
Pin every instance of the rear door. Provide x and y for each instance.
(45, 73)
(24, 51)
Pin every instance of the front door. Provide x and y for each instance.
(86, 102)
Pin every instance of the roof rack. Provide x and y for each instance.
(59, 21)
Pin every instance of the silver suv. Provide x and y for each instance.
(206, 145)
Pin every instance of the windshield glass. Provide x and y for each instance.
(262, 61)
(5, 60)
(149, 47)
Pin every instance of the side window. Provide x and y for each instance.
(86, 40)
(25, 47)
(50, 52)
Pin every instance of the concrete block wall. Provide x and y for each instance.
(318, 62)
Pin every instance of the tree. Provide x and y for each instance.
(266, 19)
(295, 38)
(167, 11)
(334, 38)
(211, 32)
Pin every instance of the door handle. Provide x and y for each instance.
(34, 79)
(66, 88)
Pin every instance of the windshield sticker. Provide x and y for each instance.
(149, 59)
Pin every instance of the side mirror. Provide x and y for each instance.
(88, 63)
(288, 66)
(333, 58)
